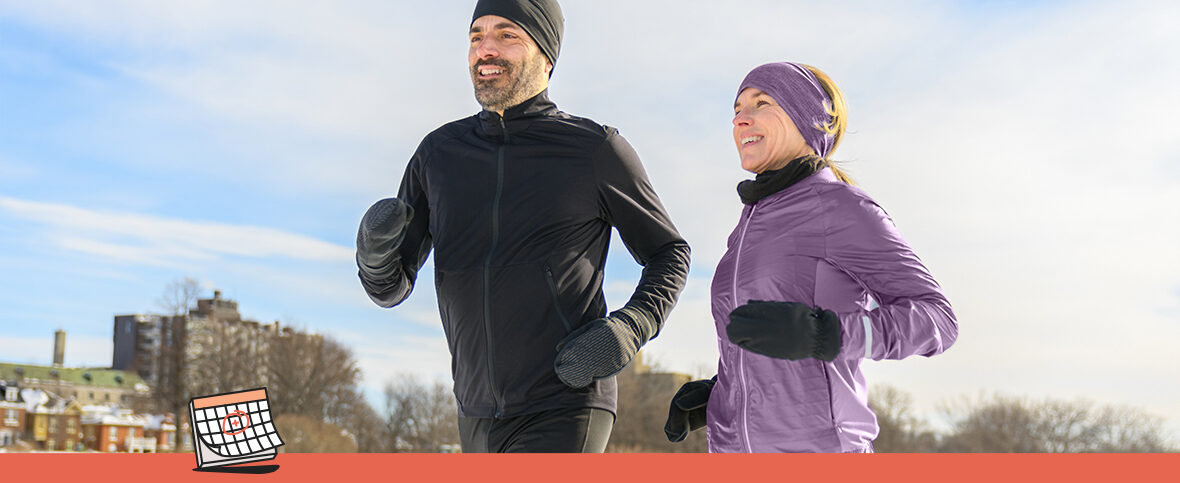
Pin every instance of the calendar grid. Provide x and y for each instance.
(238, 429)
(235, 425)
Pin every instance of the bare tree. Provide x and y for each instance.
(207, 350)
(171, 392)
(306, 434)
(222, 357)
(1129, 430)
(419, 418)
(311, 374)
(901, 431)
(1007, 424)
(363, 424)
(179, 296)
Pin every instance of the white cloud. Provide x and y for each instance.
(154, 240)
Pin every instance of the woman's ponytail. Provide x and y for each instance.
(839, 123)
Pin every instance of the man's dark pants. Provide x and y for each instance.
(566, 430)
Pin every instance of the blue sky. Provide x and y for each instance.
(1027, 151)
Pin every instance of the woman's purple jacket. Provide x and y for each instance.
(826, 244)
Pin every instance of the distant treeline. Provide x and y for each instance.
(420, 417)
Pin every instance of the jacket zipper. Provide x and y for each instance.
(741, 353)
(556, 303)
(831, 403)
(487, 271)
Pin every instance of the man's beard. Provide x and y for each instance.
(517, 84)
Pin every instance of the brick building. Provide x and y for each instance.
(161, 429)
(115, 430)
(12, 415)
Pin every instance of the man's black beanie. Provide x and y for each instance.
(542, 20)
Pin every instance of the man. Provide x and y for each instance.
(518, 203)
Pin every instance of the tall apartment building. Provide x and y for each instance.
(141, 342)
(178, 351)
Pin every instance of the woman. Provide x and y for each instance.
(815, 279)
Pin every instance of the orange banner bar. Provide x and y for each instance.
(650, 468)
(231, 398)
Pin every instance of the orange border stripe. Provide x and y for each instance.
(205, 402)
(651, 468)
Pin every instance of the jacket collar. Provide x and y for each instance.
(768, 183)
(516, 118)
(824, 175)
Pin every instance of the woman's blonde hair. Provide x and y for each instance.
(839, 112)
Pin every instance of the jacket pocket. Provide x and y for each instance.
(556, 303)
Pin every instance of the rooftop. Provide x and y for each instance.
(82, 376)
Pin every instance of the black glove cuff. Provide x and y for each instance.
(390, 264)
(827, 335)
(643, 329)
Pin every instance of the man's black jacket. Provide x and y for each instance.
(519, 210)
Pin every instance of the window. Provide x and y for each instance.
(106, 397)
(111, 448)
(10, 394)
(91, 395)
(113, 434)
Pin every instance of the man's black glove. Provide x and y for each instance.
(601, 348)
(687, 411)
(785, 330)
(379, 237)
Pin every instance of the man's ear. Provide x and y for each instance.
(548, 66)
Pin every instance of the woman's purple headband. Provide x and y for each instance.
(800, 94)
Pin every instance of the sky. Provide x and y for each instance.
(1026, 150)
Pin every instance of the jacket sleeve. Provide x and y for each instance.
(415, 246)
(629, 203)
(913, 316)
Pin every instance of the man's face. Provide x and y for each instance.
(507, 68)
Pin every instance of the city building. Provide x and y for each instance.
(115, 430)
(83, 384)
(42, 406)
(161, 428)
(159, 348)
(52, 422)
(12, 414)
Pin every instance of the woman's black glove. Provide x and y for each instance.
(379, 237)
(687, 411)
(785, 330)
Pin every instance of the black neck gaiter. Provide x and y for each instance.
(773, 181)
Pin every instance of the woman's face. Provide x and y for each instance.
(765, 136)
